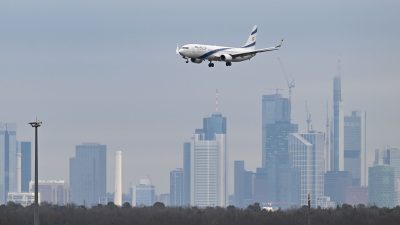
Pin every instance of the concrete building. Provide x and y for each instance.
(118, 179)
(52, 191)
(381, 187)
(337, 151)
(22, 198)
(355, 147)
(176, 187)
(209, 163)
(8, 160)
(143, 194)
(88, 177)
(243, 185)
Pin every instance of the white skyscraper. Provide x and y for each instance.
(209, 163)
(118, 178)
(307, 153)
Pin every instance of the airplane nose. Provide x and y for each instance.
(180, 51)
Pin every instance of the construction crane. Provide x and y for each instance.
(289, 80)
(308, 120)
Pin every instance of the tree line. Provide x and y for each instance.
(158, 214)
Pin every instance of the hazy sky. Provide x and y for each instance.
(106, 71)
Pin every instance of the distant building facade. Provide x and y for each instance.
(186, 173)
(52, 191)
(88, 177)
(22, 198)
(381, 187)
(307, 154)
(176, 187)
(143, 194)
(209, 163)
(337, 144)
(354, 147)
(336, 185)
(8, 160)
(243, 185)
(26, 165)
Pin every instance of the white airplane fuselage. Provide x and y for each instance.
(197, 53)
(213, 52)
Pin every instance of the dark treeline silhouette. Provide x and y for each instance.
(13, 214)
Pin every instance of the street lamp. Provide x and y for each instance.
(36, 124)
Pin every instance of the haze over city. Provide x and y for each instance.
(107, 72)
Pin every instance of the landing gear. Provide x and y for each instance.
(187, 60)
(228, 64)
(211, 64)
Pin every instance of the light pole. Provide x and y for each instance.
(36, 124)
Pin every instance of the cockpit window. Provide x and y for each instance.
(185, 47)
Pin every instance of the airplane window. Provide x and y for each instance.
(185, 47)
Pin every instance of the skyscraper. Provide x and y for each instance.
(8, 159)
(337, 152)
(243, 185)
(391, 156)
(307, 154)
(209, 163)
(381, 187)
(26, 165)
(176, 187)
(87, 171)
(354, 147)
(143, 194)
(186, 173)
(275, 108)
(276, 127)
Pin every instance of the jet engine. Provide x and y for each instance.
(226, 58)
(196, 60)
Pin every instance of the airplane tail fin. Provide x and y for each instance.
(251, 41)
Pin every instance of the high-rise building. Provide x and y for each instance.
(262, 188)
(52, 191)
(243, 185)
(88, 177)
(307, 154)
(336, 184)
(143, 194)
(118, 178)
(209, 163)
(186, 173)
(381, 187)
(176, 187)
(276, 127)
(275, 109)
(391, 156)
(354, 147)
(337, 145)
(282, 179)
(26, 164)
(8, 160)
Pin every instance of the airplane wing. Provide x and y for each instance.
(258, 51)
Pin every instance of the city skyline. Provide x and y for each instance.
(131, 102)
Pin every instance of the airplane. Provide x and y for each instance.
(197, 53)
